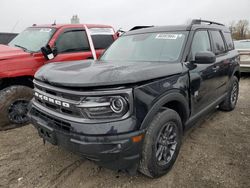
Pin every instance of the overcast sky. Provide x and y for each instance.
(16, 15)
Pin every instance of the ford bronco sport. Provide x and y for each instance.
(20, 59)
(129, 109)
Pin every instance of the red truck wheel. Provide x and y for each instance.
(13, 105)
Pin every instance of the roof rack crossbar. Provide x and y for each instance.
(199, 21)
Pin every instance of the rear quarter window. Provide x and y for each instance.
(102, 37)
(229, 41)
(102, 41)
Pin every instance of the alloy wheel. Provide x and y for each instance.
(166, 143)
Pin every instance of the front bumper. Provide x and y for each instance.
(116, 151)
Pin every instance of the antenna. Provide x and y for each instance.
(14, 27)
(54, 23)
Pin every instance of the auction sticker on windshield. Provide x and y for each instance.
(101, 31)
(168, 36)
(45, 30)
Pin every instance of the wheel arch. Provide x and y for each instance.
(237, 74)
(173, 100)
(21, 80)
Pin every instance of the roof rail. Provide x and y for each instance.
(140, 27)
(199, 21)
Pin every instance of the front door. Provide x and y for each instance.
(202, 76)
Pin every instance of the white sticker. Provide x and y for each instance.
(45, 30)
(50, 56)
(101, 31)
(168, 36)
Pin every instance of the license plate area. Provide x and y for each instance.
(47, 134)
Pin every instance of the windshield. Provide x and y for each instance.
(32, 39)
(163, 46)
(242, 44)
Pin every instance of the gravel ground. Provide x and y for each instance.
(215, 153)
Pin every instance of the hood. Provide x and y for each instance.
(8, 52)
(101, 73)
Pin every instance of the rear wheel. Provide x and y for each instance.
(161, 144)
(13, 105)
(232, 96)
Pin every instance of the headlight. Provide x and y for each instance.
(119, 105)
(105, 107)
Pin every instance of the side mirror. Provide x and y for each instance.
(205, 57)
(48, 52)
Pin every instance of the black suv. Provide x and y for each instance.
(129, 109)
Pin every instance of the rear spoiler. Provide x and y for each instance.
(140, 27)
(120, 32)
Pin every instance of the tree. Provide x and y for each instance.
(240, 29)
(232, 27)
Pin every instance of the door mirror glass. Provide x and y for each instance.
(48, 52)
(205, 57)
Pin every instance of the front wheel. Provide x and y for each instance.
(13, 105)
(161, 144)
(232, 96)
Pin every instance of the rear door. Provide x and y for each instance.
(222, 64)
(72, 44)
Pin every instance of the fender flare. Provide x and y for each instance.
(173, 95)
(236, 69)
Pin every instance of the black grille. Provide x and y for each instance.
(59, 94)
(52, 122)
(71, 111)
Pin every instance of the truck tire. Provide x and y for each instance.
(161, 144)
(232, 96)
(13, 105)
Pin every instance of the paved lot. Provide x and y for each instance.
(216, 153)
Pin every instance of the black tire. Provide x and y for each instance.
(232, 96)
(149, 164)
(11, 97)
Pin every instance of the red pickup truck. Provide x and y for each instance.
(37, 46)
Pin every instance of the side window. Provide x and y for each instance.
(200, 43)
(218, 43)
(102, 41)
(229, 41)
(73, 41)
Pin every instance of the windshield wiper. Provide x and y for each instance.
(24, 49)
